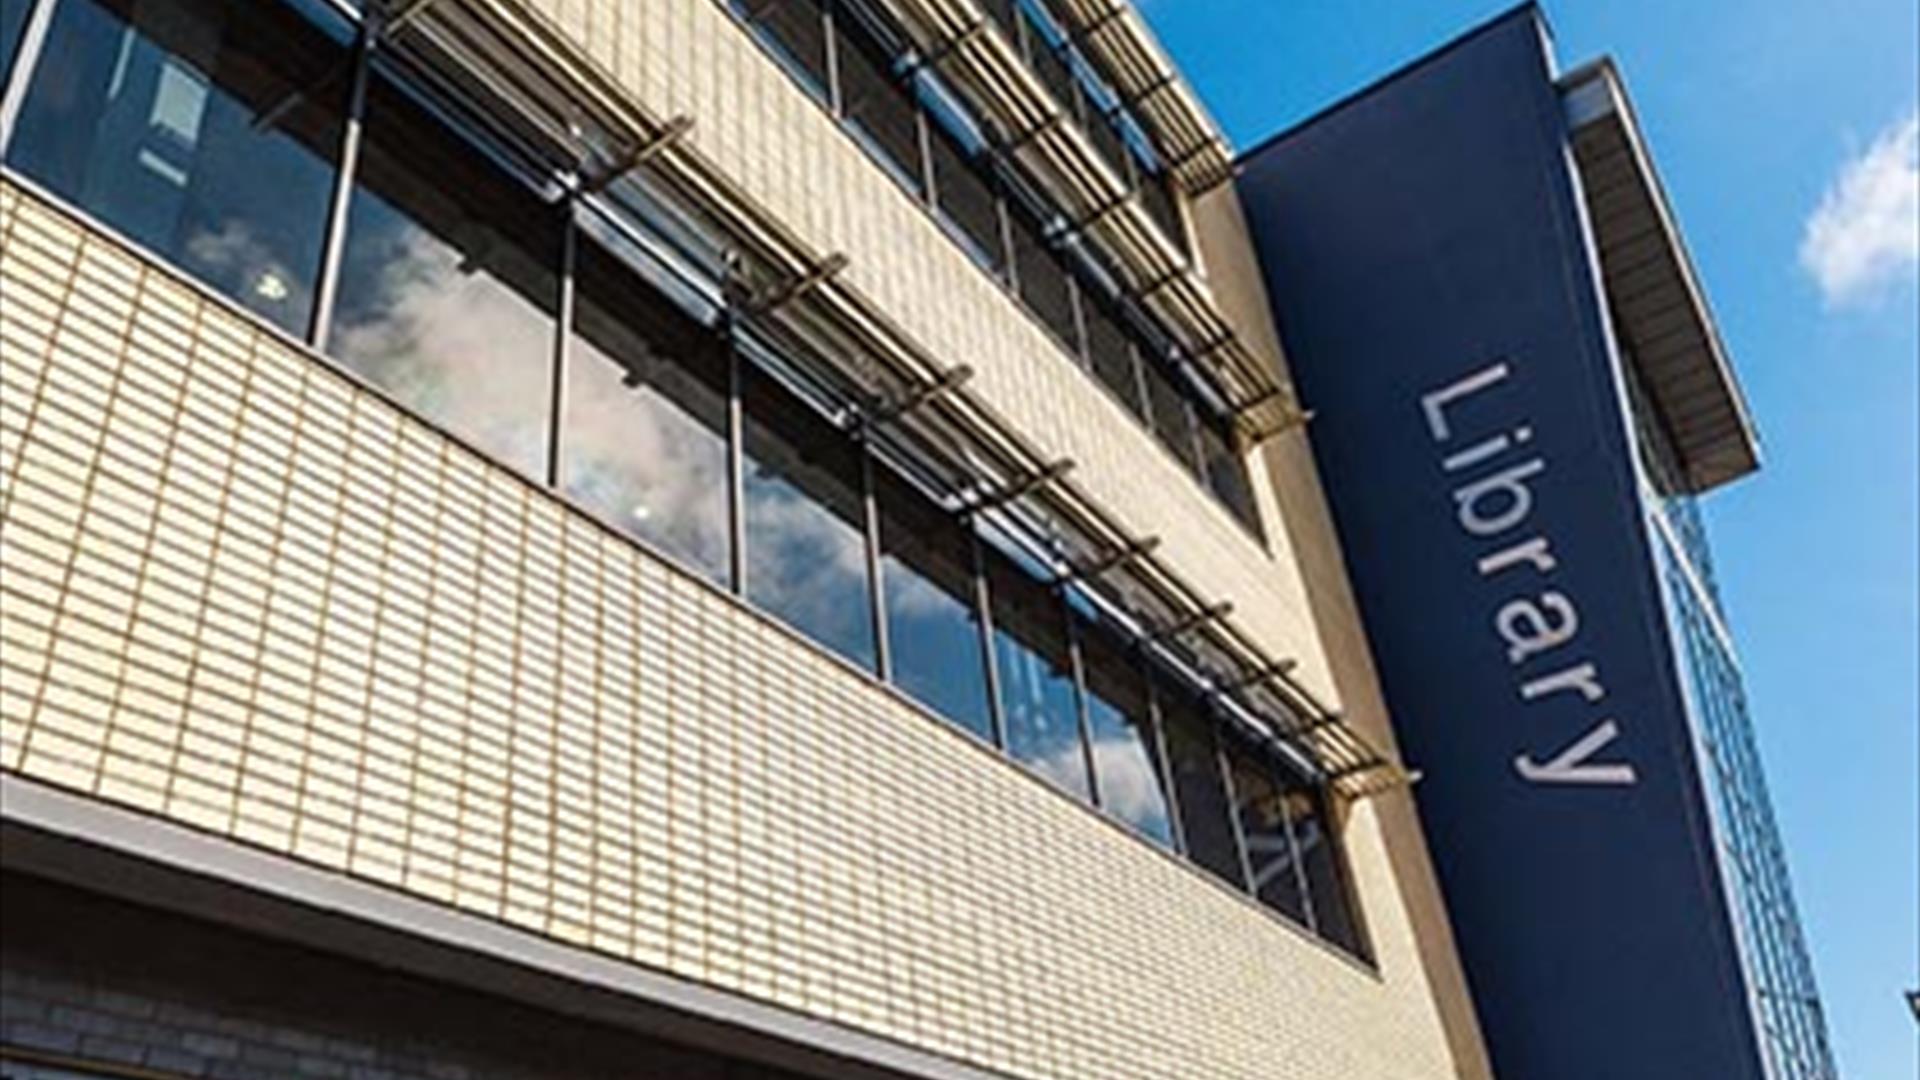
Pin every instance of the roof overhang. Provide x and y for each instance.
(1660, 314)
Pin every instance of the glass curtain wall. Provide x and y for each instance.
(643, 432)
(934, 633)
(448, 283)
(204, 130)
(805, 521)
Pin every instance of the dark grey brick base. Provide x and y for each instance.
(145, 993)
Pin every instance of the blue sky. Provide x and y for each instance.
(1754, 110)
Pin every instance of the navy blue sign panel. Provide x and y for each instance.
(1433, 283)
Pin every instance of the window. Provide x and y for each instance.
(1265, 823)
(1044, 282)
(643, 437)
(1111, 354)
(1206, 815)
(1334, 915)
(1035, 665)
(1156, 195)
(934, 635)
(1127, 765)
(798, 31)
(1172, 420)
(881, 109)
(967, 198)
(203, 129)
(1226, 473)
(805, 521)
(447, 284)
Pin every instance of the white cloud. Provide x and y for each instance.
(1865, 234)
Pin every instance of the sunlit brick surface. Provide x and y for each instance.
(242, 593)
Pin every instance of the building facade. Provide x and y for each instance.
(700, 538)
(1513, 452)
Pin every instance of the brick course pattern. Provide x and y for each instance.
(240, 591)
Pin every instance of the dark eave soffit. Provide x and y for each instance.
(1660, 314)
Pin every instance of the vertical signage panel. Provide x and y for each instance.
(1432, 280)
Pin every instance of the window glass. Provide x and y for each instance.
(880, 108)
(806, 541)
(1035, 666)
(447, 284)
(1044, 283)
(1264, 823)
(1172, 421)
(933, 624)
(1126, 758)
(1111, 354)
(204, 129)
(643, 438)
(1206, 822)
(1334, 914)
(798, 31)
(967, 198)
(1156, 195)
(1226, 473)
(13, 25)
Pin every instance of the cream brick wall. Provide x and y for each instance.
(690, 57)
(241, 592)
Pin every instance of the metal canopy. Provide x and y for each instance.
(514, 60)
(1660, 313)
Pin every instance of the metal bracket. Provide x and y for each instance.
(1097, 215)
(403, 13)
(1156, 86)
(1016, 142)
(1140, 294)
(1210, 614)
(1258, 400)
(1113, 560)
(1279, 669)
(1296, 418)
(1095, 25)
(1025, 485)
(939, 53)
(672, 132)
(794, 288)
(948, 381)
(1208, 348)
(1192, 154)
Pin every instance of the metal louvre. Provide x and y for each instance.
(522, 65)
(993, 74)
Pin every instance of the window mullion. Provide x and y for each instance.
(1233, 805)
(736, 455)
(829, 19)
(1163, 759)
(563, 333)
(984, 608)
(1077, 661)
(333, 247)
(876, 583)
(1300, 866)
